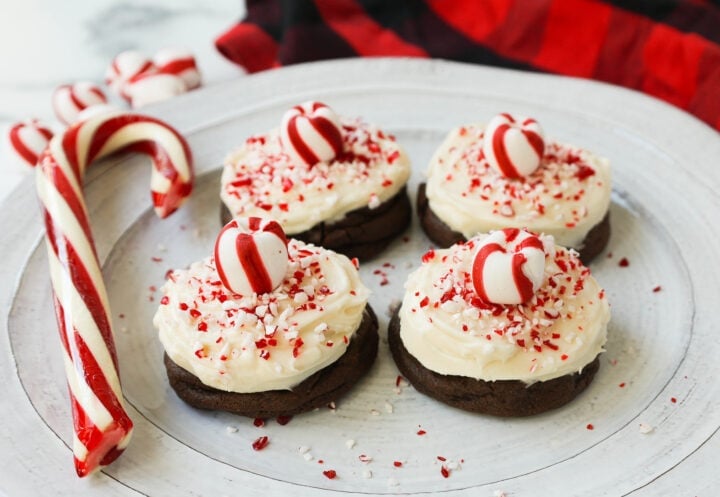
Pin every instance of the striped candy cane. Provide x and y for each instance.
(102, 427)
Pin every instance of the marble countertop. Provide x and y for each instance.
(75, 40)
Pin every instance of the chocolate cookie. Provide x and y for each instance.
(507, 398)
(323, 387)
(440, 233)
(362, 233)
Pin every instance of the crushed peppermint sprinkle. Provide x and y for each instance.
(398, 464)
(645, 428)
(657, 289)
(673, 400)
(259, 422)
(421, 432)
(330, 474)
(444, 471)
(383, 276)
(260, 443)
(590, 426)
(624, 262)
(262, 173)
(365, 458)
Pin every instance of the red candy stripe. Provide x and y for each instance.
(479, 266)
(253, 264)
(102, 427)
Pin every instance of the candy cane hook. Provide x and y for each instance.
(102, 427)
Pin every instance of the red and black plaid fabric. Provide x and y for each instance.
(667, 48)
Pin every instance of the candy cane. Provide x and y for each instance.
(102, 427)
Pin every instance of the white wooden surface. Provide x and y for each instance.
(662, 345)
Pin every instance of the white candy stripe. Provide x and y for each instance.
(313, 138)
(520, 152)
(79, 449)
(160, 134)
(33, 138)
(497, 278)
(85, 136)
(84, 324)
(83, 394)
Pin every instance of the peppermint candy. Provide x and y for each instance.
(311, 133)
(179, 63)
(251, 255)
(125, 67)
(513, 146)
(153, 87)
(28, 139)
(69, 100)
(508, 267)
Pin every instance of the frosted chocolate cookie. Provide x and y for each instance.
(335, 182)
(266, 326)
(507, 324)
(506, 175)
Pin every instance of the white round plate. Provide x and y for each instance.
(646, 426)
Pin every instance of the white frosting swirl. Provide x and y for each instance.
(565, 197)
(446, 327)
(262, 342)
(260, 179)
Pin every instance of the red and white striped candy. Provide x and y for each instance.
(513, 146)
(102, 427)
(509, 266)
(180, 63)
(28, 139)
(126, 66)
(311, 133)
(151, 88)
(251, 255)
(69, 100)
